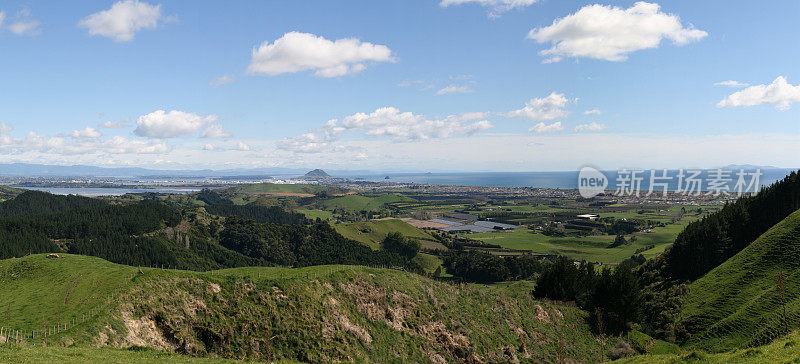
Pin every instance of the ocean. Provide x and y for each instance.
(562, 180)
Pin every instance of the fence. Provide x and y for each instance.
(10, 335)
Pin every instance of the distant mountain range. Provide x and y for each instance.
(44, 170)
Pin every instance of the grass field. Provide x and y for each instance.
(738, 304)
(317, 314)
(783, 350)
(373, 232)
(39, 292)
(361, 203)
(591, 248)
(314, 214)
(286, 188)
(11, 353)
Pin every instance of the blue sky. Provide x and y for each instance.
(84, 86)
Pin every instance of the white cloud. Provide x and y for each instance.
(732, 83)
(210, 147)
(160, 124)
(214, 131)
(496, 7)
(543, 109)
(304, 143)
(386, 122)
(455, 89)
(389, 121)
(221, 80)
(124, 19)
(2, 17)
(779, 93)
(295, 52)
(590, 127)
(111, 125)
(593, 112)
(611, 33)
(542, 128)
(23, 24)
(241, 146)
(86, 133)
(408, 83)
(82, 142)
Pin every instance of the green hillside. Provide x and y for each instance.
(373, 232)
(9, 192)
(286, 188)
(738, 304)
(362, 203)
(10, 353)
(783, 350)
(319, 314)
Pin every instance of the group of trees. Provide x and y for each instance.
(611, 296)
(258, 213)
(37, 222)
(299, 245)
(479, 266)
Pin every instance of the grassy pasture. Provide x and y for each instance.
(373, 232)
(591, 248)
(738, 303)
(318, 314)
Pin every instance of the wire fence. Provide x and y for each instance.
(11, 335)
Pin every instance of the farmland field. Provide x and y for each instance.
(591, 248)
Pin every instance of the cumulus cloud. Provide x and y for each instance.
(542, 128)
(221, 80)
(732, 83)
(85, 133)
(593, 112)
(590, 127)
(214, 131)
(295, 52)
(305, 143)
(543, 109)
(452, 89)
(111, 125)
(160, 124)
(611, 33)
(23, 24)
(387, 122)
(82, 142)
(241, 146)
(124, 19)
(779, 93)
(496, 7)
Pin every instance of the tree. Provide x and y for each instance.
(399, 244)
(618, 241)
(615, 301)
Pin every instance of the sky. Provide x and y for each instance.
(401, 86)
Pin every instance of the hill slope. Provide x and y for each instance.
(322, 313)
(783, 350)
(738, 304)
(362, 203)
(373, 232)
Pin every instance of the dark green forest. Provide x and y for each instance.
(147, 234)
